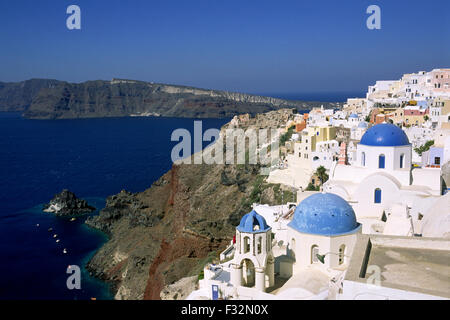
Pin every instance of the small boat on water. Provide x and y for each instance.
(57, 240)
(73, 219)
(55, 235)
(37, 225)
(65, 250)
(50, 229)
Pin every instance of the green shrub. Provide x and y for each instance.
(286, 136)
(424, 147)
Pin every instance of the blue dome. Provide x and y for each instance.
(253, 222)
(324, 214)
(353, 115)
(363, 125)
(385, 135)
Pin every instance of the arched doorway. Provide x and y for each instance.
(293, 248)
(248, 273)
(314, 253)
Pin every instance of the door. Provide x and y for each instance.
(215, 292)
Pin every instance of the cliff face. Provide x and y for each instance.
(172, 229)
(17, 96)
(51, 99)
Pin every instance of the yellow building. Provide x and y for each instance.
(414, 120)
(320, 134)
(397, 116)
(309, 137)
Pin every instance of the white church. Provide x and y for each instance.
(308, 246)
(386, 192)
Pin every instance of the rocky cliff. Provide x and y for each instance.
(51, 99)
(17, 96)
(171, 230)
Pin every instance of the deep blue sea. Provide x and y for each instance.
(94, 158)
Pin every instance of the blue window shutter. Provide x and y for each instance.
(381, 161)
(377, 195)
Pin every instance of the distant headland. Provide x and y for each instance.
(54, 99)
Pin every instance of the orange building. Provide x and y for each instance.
(300, 126)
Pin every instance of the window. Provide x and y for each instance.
(293, 247)
(402, 159)
(342, 254)
(259, 245)
(437, 160)
(314, 253)
(377, 195)
(363, 159)
(381, 161)
(246, 244)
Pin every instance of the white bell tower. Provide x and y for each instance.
(253, 262)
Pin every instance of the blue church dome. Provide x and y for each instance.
(363, 125)
(385, 135)
(324, 214)
(253, 222)
(353, 115)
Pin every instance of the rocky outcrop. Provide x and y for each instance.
(180, 289)
(124, 205)
(52, 99)
(67, 204)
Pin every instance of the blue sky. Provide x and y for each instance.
(248, 46)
